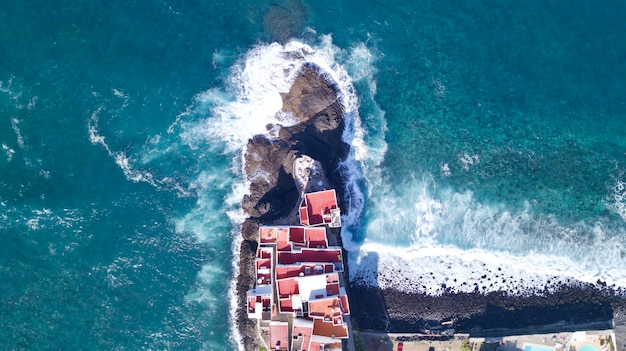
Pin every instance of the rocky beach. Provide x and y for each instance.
(571, 308)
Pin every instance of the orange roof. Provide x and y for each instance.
(345, 307)
(283, 272)
(332, 289)
(327, 309)
(285, 305)
(252, 300)
(263, 252)
(305, 269)
(283, 243)
(316, 345)
(318, 206)
(267, 235)
(264, 263)
(279, 336)
(328, 329)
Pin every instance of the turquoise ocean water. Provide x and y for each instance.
(487, 135)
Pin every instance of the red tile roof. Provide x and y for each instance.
(316, 237)
(287, 287)
(345, 307)
(296, 235)
(304, 332)
(268, 235)
(304, 270)
(318, 206)
(279, 336)
(326, 309)
(330, 255)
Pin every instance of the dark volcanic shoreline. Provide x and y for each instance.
(480, 314)
(314, 99)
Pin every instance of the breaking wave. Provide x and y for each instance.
(419, 238)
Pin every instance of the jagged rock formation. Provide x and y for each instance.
(314, 99)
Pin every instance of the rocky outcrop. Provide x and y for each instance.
(314, 99)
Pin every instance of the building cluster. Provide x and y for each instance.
(297, 294)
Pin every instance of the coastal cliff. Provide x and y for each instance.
(314, 100)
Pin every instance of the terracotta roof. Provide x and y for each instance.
(318, 206)
(316, 237)
(279, 336)
(302, 330)
(302, 269)
(296, 235)
(326, 309)
(327, 329)
(344, 304)
(287, 287)
(268, 235)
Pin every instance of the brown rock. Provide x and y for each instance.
(310, 94)
(314, 99)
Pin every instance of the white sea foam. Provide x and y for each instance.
(120, 157)
(124, 97)
(8, 151)
(616, 200)
(468, 161)
(8, 88)
(15, 125)
(365, 135)
(419, 242)
(13, 91)
(251, 100)
(216, 221)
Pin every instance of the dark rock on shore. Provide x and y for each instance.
(567, 309)
(314, 99)
(247, 327)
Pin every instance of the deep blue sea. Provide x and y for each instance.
(489, 149)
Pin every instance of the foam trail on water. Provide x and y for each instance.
(131, 165)
(616, 200)
(120, 157)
